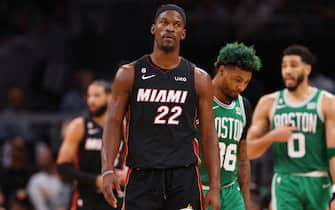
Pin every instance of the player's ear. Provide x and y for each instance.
(308, 69)
(221, 69)
(153, 29)
(183, 36)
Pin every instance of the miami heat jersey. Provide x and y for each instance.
(89, 157)
(162, 113)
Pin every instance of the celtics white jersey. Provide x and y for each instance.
(306, 149)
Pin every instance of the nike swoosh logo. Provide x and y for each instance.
(280, 106)
(93, 131)
(215, 107)
(148, 77)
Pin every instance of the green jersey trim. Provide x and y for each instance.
(223, 105)
(301, 104)
(206, 187)
(231, 106)
(240, 98)
(282, 94)
(273, 108)
(319, 104)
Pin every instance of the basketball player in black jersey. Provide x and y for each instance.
(161, 94)
(79, 156)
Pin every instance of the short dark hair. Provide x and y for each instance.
(174, 7)
(305, 54)
(240, 55)
(103, 83)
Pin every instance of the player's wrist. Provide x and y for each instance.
(271, 136)
(97, 181)
(333, 193)
(107, 172)
(215, 187)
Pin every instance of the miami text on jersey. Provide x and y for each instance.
(165, 96)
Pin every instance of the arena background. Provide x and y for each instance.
(50, 50)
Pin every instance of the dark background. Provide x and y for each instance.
(43, 43)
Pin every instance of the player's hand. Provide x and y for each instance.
(98, 183)
(122, 175)
(213, 199)
(111, 182)
(332, 203)
(283, 133)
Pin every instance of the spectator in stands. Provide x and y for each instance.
(74, 102)
(19, 203)
(323, 81)
(12, 121)
(14, 179)
(2, 200)
(254, 16)
(45, 186)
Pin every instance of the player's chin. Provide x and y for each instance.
(168, 45)
(289, 82)
(235, 94)
(92, 111)
(291, 87)
(233, 97)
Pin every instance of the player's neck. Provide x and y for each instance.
(100, 120)
(301, 93)
(220, 95)
(165, 60)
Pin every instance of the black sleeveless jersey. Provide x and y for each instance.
(162, 112)
(89, 156)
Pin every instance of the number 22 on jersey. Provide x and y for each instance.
(163, 112)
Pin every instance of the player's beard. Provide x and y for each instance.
(227, 92)
(100, 111)
(300, 79)
(231, 97)
(167, 49)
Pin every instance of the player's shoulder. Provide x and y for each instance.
(74, 129)
(77, 123)
(328, 99)
(202, 81)
(327, 95)
(125, 75)
(199, 72)
(327, 104)
(127, 67)
(268, 98)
